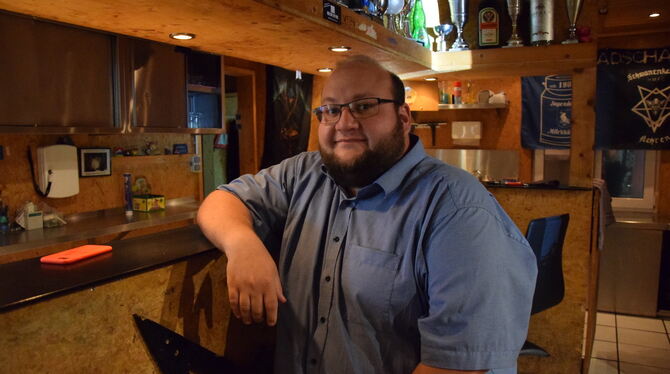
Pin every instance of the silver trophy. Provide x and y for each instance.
(514, 9)
(573, 6)
(397, 13)
(459, 16)
(378, 8)
(442, 31)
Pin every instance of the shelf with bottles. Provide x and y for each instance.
(472, 106)
(522, 61)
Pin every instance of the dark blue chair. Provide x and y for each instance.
(546, 236)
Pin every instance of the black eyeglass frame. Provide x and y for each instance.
(319, 110)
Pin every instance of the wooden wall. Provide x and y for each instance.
(169, 175)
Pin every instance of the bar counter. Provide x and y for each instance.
(29, 280)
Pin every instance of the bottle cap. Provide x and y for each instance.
(457, 84)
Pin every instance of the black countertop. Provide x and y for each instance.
(29, 280)
(88, 225)
(535, 186)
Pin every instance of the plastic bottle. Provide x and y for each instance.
(457, 92)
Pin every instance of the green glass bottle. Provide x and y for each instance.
(418, 24)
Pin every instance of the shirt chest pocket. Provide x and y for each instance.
(367, 283)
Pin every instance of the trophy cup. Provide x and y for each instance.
(404, 19)
(377, 8)
(442, 31)
(459, 16)
(514, 8)
(573, 6)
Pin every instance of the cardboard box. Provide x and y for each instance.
(148, 203)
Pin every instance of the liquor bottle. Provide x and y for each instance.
(541, 22)
(488, 22)
(418, 23)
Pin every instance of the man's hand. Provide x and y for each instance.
(253, 284)
(254, 289)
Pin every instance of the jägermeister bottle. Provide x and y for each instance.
(488, 23)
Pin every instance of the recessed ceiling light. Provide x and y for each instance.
(182, 36)
(340, 48)
(431, 79)
(324, 70)
(654, 15)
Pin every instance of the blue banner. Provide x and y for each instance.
(546, 109)
(632, 92)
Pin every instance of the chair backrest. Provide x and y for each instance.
(546, 236)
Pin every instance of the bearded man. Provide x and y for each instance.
(389, 261)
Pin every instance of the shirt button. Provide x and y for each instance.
(322, 319)
(327, 278)
(312, 361)
(336, 239)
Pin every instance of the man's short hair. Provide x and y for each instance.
(397, 86)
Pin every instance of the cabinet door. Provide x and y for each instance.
(54, 76)
(18, 64)
(74, 77)
(159, 78)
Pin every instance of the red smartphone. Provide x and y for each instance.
(75, 254)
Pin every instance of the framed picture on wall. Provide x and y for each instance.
(95, 162)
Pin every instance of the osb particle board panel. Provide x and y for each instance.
(501, 128)
(168, 175)
(92, 330)
(559, 330)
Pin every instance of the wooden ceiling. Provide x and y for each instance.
(293, 33)
(631, 17)
(290, 33)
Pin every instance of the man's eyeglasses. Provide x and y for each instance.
(329, 114)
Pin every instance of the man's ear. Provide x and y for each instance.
(405, 116)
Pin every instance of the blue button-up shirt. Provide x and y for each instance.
(423, 265)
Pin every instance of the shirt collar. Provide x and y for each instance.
(392, 178)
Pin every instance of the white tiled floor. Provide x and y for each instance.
(630, 345)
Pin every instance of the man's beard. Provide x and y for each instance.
(368, 166)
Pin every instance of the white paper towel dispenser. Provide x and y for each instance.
(57, 170)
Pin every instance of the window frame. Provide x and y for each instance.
(648, 201)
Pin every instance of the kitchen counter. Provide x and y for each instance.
(89, 225)
(29, 280)
(642, 221)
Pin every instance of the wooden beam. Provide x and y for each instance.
(583, 127)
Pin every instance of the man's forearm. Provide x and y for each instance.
(225, 220)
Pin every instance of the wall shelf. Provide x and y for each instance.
(471, 106)
(204, 89)
(496, 62)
